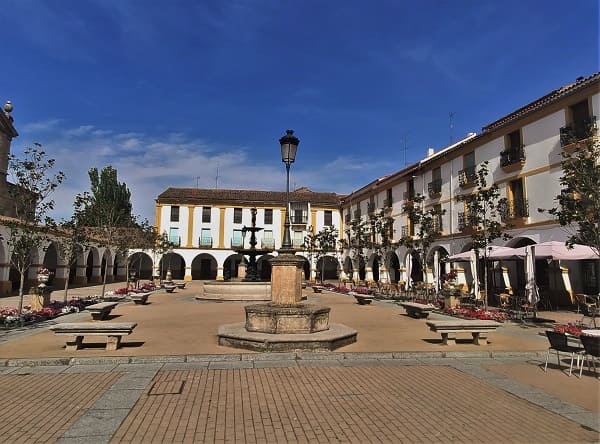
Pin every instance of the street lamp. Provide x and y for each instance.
(289, 146)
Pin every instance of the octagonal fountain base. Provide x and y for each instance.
(287, 318)
(236, 291)
(236, 335)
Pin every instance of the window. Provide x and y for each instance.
(328, 216)
(175, 214)
(237, 215)
(437, 221)
(513, 152)
(174, 236)
(268, 216)
(298, 240)
(467, 175)
(268, 241)
(435, 186)
(237, 239)
(206, 214)
(581, 124)
(299, 212)
(388, 198)
(517, 204)
(205, 238)
(410, 190)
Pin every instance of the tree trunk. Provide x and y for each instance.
(21, 285)
(104, 279)
(67, 285)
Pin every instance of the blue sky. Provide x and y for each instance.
(169, 92)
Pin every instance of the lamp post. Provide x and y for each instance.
(289, 146)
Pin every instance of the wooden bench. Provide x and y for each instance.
(139, 298)
(114, 331)
(101, 310)
(416, 310)
(477, 328)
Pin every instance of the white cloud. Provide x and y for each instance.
(40, 126)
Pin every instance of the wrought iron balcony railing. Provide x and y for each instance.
(205, 241)
(267, 243)
(465, 221)
(404, 231)
(515, 208)
(434, 187)
(512, 156)
(298, 220)
(577, 131)
(467, 176)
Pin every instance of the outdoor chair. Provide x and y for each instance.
(505, 302)
(586, 302)
(591, 346)
(559, 343)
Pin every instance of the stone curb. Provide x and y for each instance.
(299, 356)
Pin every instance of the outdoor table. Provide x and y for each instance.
(591, 332)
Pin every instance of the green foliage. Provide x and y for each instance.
(33, 184)
(578, 207)
(357, 241)
(320, 244)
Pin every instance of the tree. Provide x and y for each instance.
(326, 241)
(72, 239)
(382, 234)
(163, 246)
(357, 241)
(578, 207)
(429, 229)
(108, 211)
(33, 185)
(484, 213)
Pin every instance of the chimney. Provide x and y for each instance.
(430, 152)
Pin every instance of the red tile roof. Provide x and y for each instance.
(198, 196)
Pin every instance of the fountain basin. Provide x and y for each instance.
(236, 291)
(287, 318)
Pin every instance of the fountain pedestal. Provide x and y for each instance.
(286, 324)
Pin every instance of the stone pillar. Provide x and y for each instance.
(369, 274)
(286, 282)
(220, 273)
(355, 275)
(80, 276)
(96, 277)
(241, 270)
(188, 273)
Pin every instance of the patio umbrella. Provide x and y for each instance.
(494, 252)
(473, 263)
(408, 266)
(436, 271)
(531, 288)
(559, 251)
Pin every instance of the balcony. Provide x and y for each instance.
(387, 203)
(371, 207)
(404, 231)
(579, 131)
(465, 222)
(267, 244)
(512, 158)
(434, 188)
(175, 241)
(357, 214)
(515, 209)
(298, 220)
(466, 177)
(205, 241)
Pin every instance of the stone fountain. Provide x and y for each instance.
(251, 287)
(285, 323)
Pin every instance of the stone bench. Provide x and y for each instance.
(416, 310)
(139, 298)
(363, 299)
(180, 285)
(449, 329)
(114, 331)
(317, 289)
(101, 310)
(169, 288)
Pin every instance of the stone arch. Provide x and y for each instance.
(204, 267)
(264, 267)
(50, 261)
(393, 266)
(92, 261)
(331, 267)
(231, 265)
(141, 264)
(174, 262)
(374, 264)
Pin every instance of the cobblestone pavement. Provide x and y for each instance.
(295, 397)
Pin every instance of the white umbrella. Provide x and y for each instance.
(436, 270)
(493, 252)
(559, 251)
(408, 266)
(531, 288)
(473, 263)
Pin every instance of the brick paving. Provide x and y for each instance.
(338, 404)
(41, 407)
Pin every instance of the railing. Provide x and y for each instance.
(387, 203)
(299, 220)
(515, 208)
(434, 187)
(510, 156)
(267, 243)
(205, 241)
(404, 232)
(437, 225)
(357, 214)
(467, 176)
(175, 240)
(371, 207)
(577, 131)
(465, 221)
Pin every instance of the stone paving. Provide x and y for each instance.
(407, 388)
